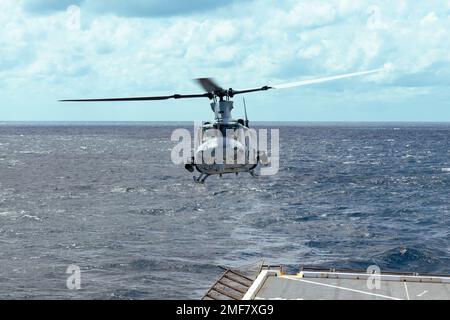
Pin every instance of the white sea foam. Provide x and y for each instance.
(10, 213)
(118, 189)
(28, 216)
(445, 170)
(13, 163)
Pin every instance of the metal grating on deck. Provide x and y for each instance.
(232, 285)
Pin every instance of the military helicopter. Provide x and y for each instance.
(217, 138)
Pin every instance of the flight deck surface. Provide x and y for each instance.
(273, 284)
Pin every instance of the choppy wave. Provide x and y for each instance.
(107, 198)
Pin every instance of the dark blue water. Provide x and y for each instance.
(108, 199)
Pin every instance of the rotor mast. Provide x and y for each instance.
(222, 109)
(222, 103)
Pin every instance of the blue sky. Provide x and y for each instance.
(132, 48)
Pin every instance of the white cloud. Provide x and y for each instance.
(429, 19)
(249, 43)
(309, 14)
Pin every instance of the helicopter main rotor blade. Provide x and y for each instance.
(209, 85)
(214, 90)
(325, 79)
(308, 82)
(175, 96)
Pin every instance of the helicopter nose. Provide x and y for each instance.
(220, 151)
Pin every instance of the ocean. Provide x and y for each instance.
(106, 197)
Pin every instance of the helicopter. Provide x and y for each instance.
(212, 155)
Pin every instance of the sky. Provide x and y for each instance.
(63, 49)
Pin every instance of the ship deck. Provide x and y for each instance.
(316, 284)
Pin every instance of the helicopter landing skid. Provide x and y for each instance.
(201, 179)
(253, 174)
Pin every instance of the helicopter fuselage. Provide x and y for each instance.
(225, 146)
